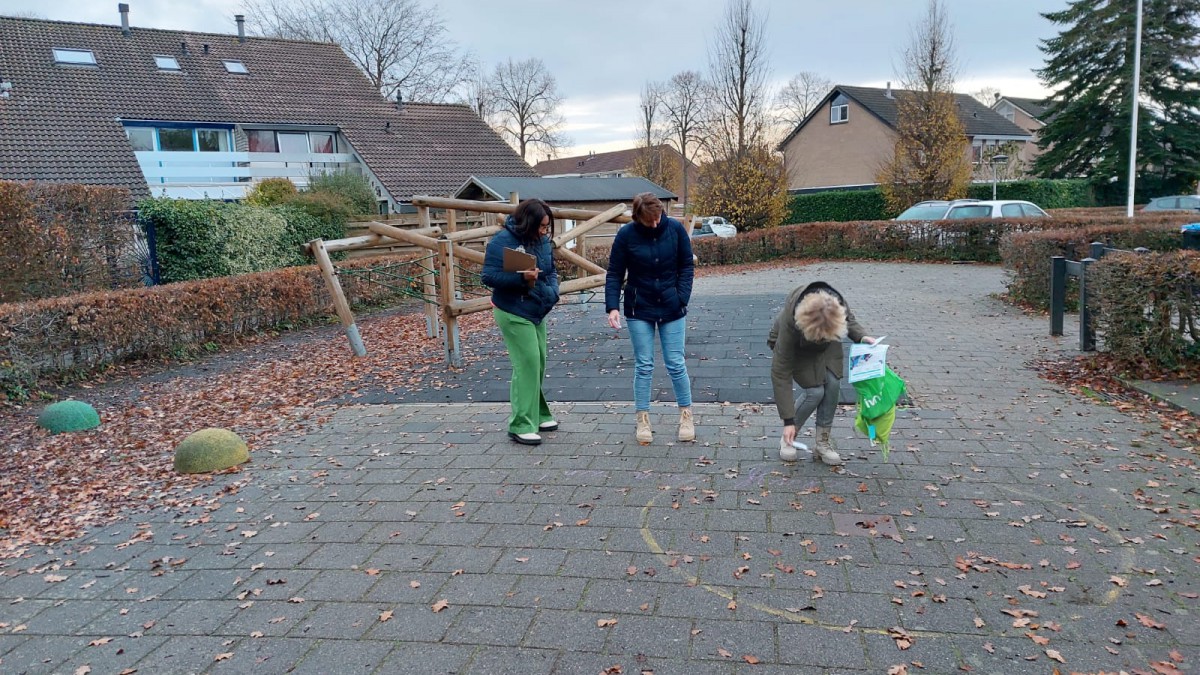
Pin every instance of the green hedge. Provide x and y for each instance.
(851, 205)
(838, 206)
(202, 239)
(1048, 194)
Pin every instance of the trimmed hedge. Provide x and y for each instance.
(1048, 194)
(854, 205)
(201, 239)
(839, 206)
(57, 239)
(1147, 307)
(90, 330)
(1027, 255)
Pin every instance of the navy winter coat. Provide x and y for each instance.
(510, 291)
(656, 266)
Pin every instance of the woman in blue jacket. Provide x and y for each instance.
(520, 302)
(652, 257)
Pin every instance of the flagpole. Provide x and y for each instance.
(1133, 129)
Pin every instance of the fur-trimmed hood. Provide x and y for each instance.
(820, 313)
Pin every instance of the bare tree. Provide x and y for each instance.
(527, 103)
(683, 99)
(653, 160)
(929, 159)
(477, 95)
(402, 45)
(799, 96)
(739, 70)
(986, 95)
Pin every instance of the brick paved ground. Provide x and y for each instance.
(1026, 524)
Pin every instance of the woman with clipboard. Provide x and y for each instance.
(519, 268)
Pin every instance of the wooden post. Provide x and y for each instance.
(446, 297)
(514, 198)
(339, 298)
(451, 221)
(428, 284)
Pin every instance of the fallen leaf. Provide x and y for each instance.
(83, 670)
(1038, 639)
(605, 623)
(100, 641)
(1053, 654)
(899, 669)
(439, 606)
(1149, 622)
(385, 616)
(751, 659)
(721, 651)
(414, 584)
(53, 578)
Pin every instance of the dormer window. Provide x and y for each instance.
(74, 57)
(236, 67)
(166, 62)
(839, 109)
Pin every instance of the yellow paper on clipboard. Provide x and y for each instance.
(518, 261)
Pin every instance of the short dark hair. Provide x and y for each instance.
(646, 201)
(528, 217)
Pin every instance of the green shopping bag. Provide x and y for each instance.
(877, 398)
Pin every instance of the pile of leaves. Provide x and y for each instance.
(56, 487)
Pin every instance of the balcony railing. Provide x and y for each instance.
(228, 175)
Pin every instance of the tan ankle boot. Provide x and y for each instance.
(687, 428)
(644, 434)
(825, 450)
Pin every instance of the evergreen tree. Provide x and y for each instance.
(1089, 66)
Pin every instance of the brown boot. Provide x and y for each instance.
(687, 428)
(644, 435)
(825, 450)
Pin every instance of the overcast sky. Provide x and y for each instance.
(602, 51)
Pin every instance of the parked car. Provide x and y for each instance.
(1174, 203)
(934, 209)
(714, 226)
(961, 209)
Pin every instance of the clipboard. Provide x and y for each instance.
(518, 261)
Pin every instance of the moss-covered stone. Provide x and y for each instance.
(210, 450)
(68, 416)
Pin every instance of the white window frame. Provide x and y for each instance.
(236, 67)
(165, 62)
(839, 112)
(74, 57)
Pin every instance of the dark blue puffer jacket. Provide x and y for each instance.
(510, 291)
(656, 266)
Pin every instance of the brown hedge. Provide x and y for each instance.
(57, 239)
(84, 331)
(1146, 308)
(1026, 255)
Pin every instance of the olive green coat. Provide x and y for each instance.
(795, 359)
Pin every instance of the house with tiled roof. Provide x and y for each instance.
(616, 164)
(194, 115)
(846, 139)
(1027, 113)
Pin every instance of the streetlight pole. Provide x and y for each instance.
(996, 159)
(1133, 128)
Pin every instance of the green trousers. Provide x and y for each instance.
(526, 344)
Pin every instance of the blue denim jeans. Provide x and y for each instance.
(672, 336)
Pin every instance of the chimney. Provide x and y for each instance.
(183, 48)
(241, 22)
(997, 96)
(206, 49)
(888, 92)
(123, 8)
